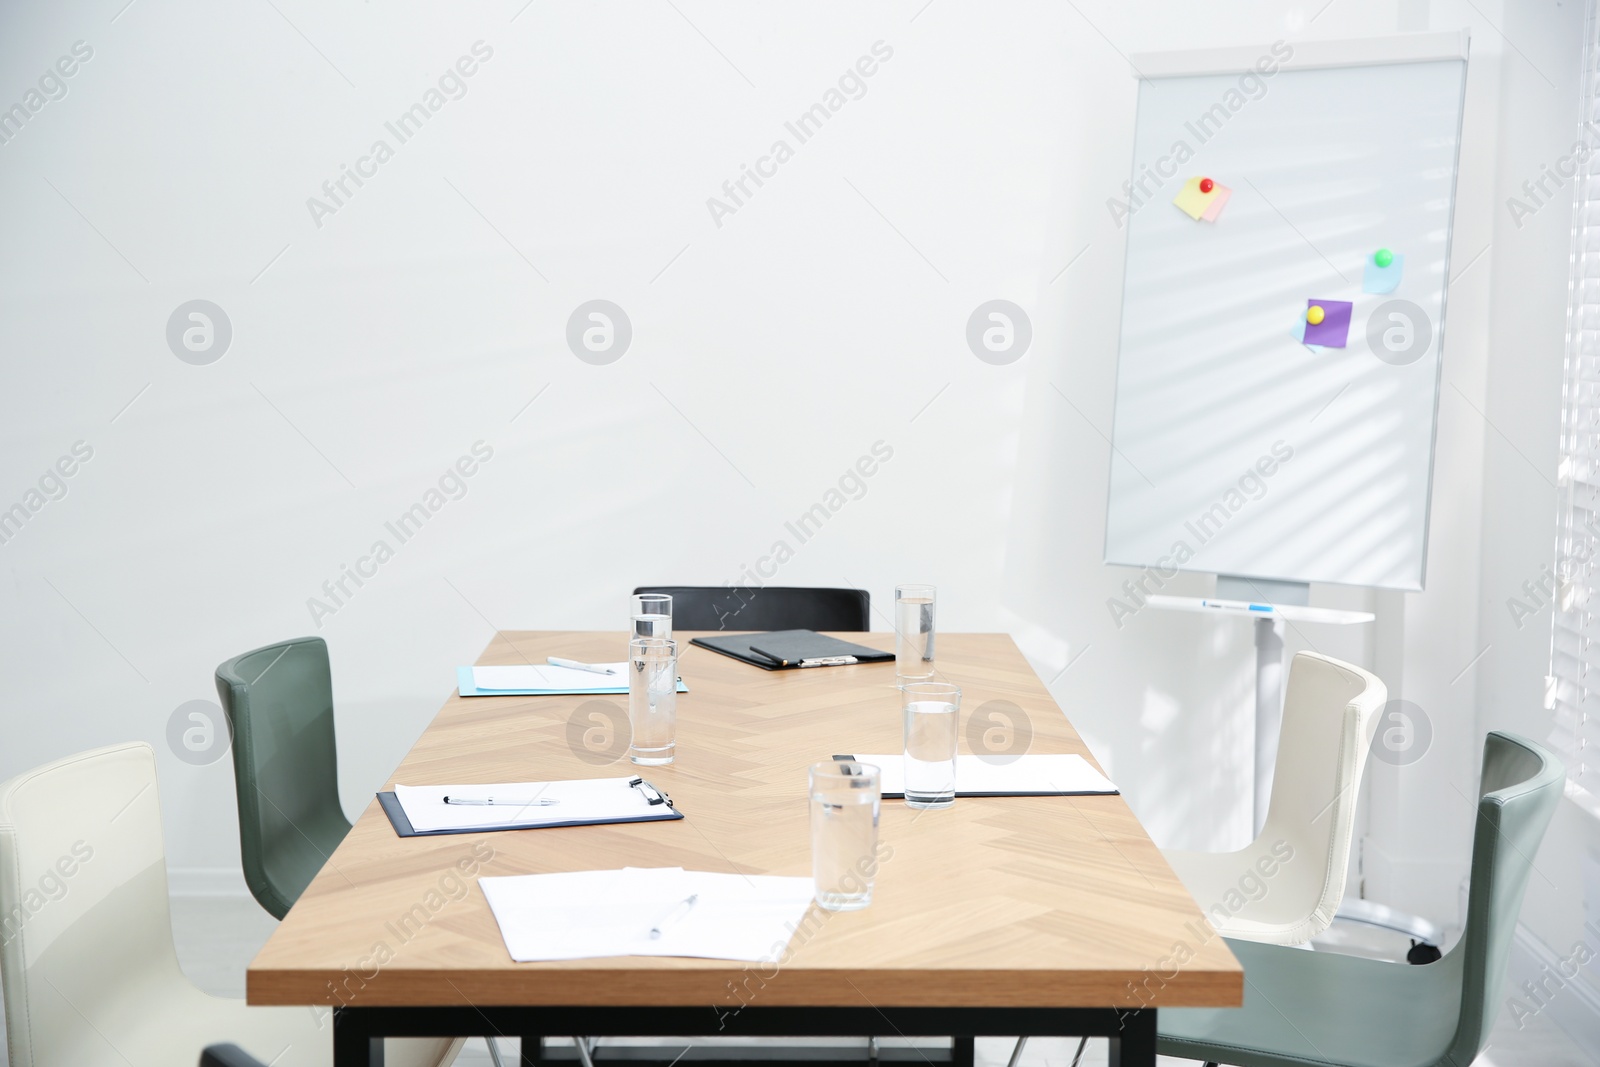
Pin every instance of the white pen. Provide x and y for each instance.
(556, 661)
(497, 803)
(675, 915)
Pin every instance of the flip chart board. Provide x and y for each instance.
(1278, 378)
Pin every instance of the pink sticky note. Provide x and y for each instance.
(1218, 201)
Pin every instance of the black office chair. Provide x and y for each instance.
(770, 607)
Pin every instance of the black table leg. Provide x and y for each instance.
(532, 1051)
(1135, 1044)
(963, 1050)
(352, 1045)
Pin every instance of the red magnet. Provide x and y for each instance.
(1206, 185)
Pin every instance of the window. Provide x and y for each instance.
(1573, 688)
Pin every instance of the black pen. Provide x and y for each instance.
(779, 660)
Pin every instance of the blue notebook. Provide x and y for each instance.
(560, 681)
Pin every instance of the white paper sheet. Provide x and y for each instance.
(580, 799)
(589, 914)
(1041, 774)
(547, 676)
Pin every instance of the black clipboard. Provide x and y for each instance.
(789, 648)
(403, 828)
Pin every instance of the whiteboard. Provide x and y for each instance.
(1236, 449)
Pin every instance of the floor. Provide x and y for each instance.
(217, 937)
(1539, 1044)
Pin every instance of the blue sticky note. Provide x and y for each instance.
(1376, 279)
(1299, 333)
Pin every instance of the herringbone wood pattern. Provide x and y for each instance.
(995, 902)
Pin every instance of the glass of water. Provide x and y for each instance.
(931, 710)
(652, 699)
(652, 615)
(913, 632)
(845, 797)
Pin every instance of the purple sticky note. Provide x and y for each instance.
(1334, 329)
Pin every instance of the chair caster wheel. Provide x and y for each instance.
(1422, 952)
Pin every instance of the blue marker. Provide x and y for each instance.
(1267, 608)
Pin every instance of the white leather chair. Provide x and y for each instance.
(91, 976)
(1284, 887)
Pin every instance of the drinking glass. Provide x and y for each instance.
(913, 632)
(652, 699)
(652, 615)
(931, 711)
(845, 796)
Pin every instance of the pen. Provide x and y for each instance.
(818, 661)
(675, 915)
(556, 661)
(488, 802)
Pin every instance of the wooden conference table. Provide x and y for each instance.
(1044, 916)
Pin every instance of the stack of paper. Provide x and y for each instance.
(543, 680)
(987, 776)
(587, 914)
(583, 800)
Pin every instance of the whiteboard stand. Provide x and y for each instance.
(1216, 391)
(1269, 604)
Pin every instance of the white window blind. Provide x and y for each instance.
(1573, 688)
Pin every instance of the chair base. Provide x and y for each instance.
(1371, 913)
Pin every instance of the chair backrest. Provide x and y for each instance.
(227, 1055)
(768, 607)
(279, 701)
(1329, 714)
(83, 901)
(1521, 785)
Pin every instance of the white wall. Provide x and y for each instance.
(826, 314)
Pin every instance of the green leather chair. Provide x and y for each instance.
(279, 703)
(279, 700)
(1318, 1009)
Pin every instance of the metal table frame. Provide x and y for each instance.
(358, 1033)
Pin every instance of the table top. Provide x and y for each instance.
(994, 902)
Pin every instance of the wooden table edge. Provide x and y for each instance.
(732, 985)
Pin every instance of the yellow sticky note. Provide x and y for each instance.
(1191, 201)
